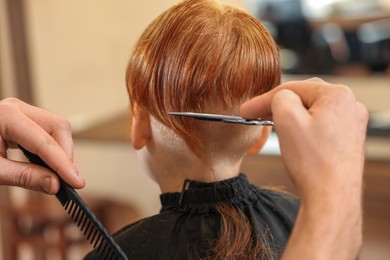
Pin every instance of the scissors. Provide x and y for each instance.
(224, 118)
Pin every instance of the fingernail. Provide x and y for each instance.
(47, 185)
(82, 181)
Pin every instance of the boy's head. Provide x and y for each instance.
(201, 56)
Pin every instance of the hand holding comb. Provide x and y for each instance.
(85, 219)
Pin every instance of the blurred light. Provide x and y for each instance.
(332, 33)
(380, 119)
(374, 31)
(289, 59)
(317, 9)
(384, 4)
(271, 28)
(335, 38)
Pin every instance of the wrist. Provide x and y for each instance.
(334, 187)
(328, 229)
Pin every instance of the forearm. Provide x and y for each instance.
(331, 229)
(321, 129)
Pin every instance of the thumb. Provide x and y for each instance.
(28, 176)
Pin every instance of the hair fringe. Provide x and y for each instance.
(196, 55)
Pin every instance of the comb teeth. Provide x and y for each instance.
(82, 216)
(62, 196)
(88, 224)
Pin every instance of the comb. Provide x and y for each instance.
(85, 219)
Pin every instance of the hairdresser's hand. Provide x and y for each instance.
(321, 129)
(42, 133)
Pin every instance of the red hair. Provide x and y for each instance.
(199, 56)
(204, 57)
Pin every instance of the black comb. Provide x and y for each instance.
(85, 219)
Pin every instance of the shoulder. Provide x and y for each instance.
(281, 203)
(148, 238)
(124, 240)
(279, 196)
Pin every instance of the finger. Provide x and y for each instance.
(291, 122)
(54, 125)
(28, 176)
(3, 148)
(260, 106)
(289, 114)
(257, 107)
(288, 111)
(63, 136)
(39, 142)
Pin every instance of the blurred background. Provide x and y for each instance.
(70, 57)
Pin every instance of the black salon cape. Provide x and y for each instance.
(188, 222)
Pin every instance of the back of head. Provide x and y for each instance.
(202, 56)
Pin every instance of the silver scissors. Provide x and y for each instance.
(223, 118)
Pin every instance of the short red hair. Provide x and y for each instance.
(198, 56)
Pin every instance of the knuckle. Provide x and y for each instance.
(8, 108)
(315, 79)
(24, 178)
(10, 115)
(64, 125)
(346, 90)
(11, 101)
(362, 112)
(342, 92)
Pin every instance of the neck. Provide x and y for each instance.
(170, 162)
(171, 170)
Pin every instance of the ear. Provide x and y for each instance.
(140, 129)
(256, 147)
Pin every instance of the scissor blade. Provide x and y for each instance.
(204, 116)
(223, 118)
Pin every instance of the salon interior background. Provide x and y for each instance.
(70, 58)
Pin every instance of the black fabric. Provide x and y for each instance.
(188, 222)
